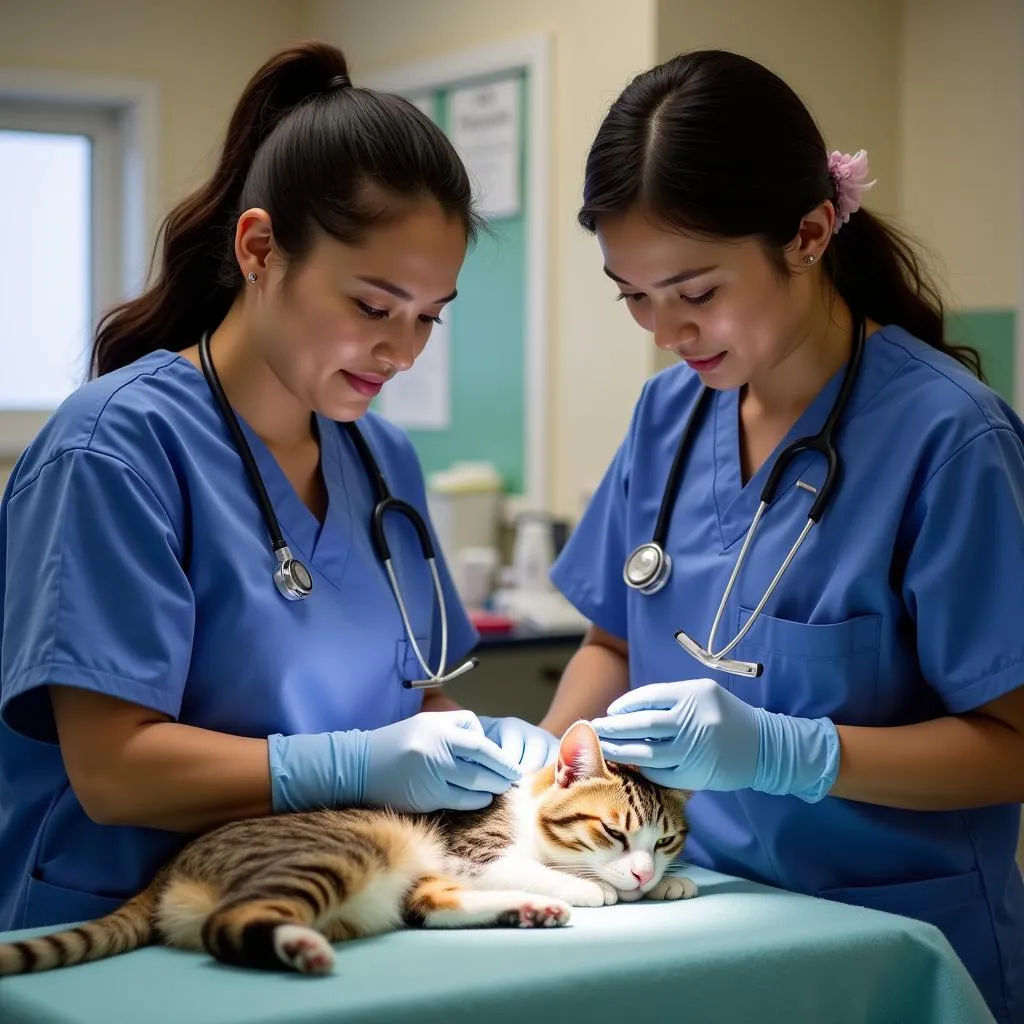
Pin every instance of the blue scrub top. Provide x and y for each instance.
(135, 563)
(904, 604)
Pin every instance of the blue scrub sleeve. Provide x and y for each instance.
(588, 570)
(964, 578)
(96, 595)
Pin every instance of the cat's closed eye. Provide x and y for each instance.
(614, 833)
(664, 841)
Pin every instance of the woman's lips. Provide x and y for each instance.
(369, 386)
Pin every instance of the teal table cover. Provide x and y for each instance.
(737, 952)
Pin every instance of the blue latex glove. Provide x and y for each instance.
(436, 759)
(696, 735)
(526, 745)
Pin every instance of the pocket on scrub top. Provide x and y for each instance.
(956, 905)
(407, 665)
(47, 903)
(814, 670)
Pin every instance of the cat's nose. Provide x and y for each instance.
(642, 874)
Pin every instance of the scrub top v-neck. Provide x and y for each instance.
(137, 564)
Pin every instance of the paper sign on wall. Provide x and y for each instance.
(484, 127)
(420, 398)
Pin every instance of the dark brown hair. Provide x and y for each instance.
(320, 156)
(715, 144)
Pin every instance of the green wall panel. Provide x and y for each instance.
(488, 340)
(992, 332)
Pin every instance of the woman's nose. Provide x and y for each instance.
(670, 331)
(400, 348)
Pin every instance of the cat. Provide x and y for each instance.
(275, 892)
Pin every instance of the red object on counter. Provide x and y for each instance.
(490, 622)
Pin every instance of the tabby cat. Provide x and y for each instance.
(274, 892)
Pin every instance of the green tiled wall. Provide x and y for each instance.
(992, 333)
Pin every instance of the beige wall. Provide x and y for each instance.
(962, 143)
(596, 365)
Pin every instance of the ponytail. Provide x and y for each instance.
(878, 273)
(302, 144)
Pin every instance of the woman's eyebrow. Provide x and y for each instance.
(683, 275)
(399, 293)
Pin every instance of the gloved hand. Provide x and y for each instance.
(696, 735)
(526, 745)
(436, 759)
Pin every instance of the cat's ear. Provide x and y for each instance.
(579, 755)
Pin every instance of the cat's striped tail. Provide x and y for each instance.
(127, 928)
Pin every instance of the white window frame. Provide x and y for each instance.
(121, 117)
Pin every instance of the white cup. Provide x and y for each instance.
(533, 551)
(475, 569)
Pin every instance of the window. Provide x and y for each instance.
(46, 270)
(75, 203)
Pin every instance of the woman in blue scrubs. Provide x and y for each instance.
(153, 681)
(878, 759)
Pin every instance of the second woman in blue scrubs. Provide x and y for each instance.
(879, 758)
(153, 682)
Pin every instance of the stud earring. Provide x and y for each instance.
(810, 258)
(251, 277)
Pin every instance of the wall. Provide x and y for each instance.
(596, 368)
(962, 110)
(940, 71)
(200, 53)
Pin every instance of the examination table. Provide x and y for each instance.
(738, 952)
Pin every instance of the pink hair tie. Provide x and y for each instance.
(850, 176)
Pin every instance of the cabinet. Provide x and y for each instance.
(516, 676)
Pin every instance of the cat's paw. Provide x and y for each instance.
(541, 912)
(583, 892)
(673, 887)
(303, 949)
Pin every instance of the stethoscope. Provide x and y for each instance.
(293, 579)
(649, 566)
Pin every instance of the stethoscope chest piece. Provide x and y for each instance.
(291, 577)
(648, 568)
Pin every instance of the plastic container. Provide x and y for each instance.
(465, 507)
